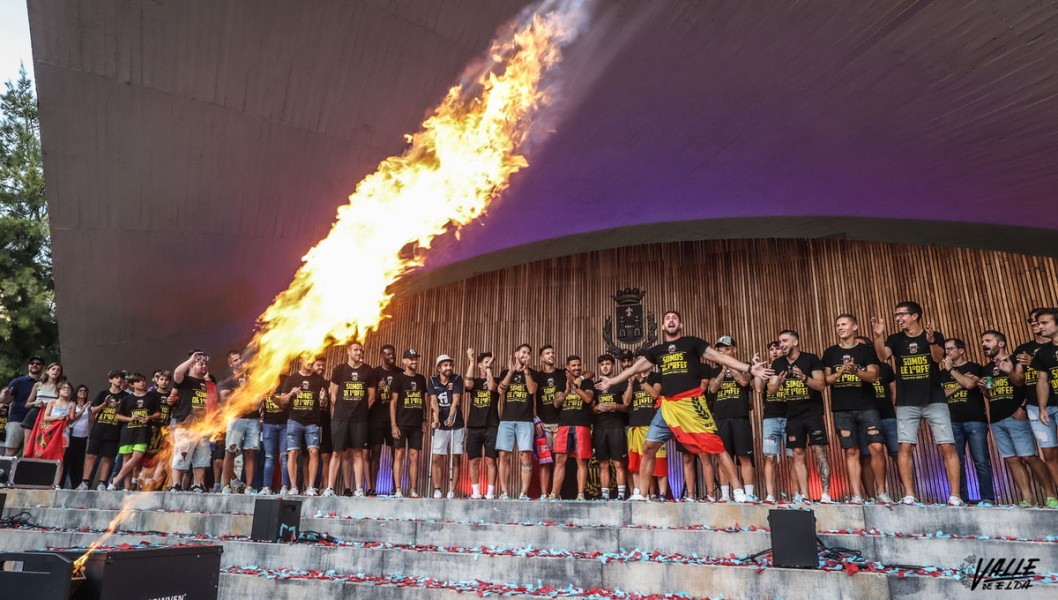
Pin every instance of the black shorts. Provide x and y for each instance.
(379, 434)
(481, 438)
(737, 435)
(217, 449)
(326, 444)
(412, 436)
(863, 427)
(349, 435)
(806, 428)
(610, 443)
(102, 448)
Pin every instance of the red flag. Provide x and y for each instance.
(46, 438)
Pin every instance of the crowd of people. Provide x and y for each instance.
(329, 433)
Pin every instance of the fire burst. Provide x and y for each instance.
(461, 159)
(126, 509)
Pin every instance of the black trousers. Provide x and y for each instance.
(73, 462)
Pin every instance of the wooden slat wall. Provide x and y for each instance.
(749, 289)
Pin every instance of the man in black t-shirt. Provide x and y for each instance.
(1027, 378)
(799, 376)
(684, 414)
(407, 411)
(352, 395)
(549, 382)
(851, 368)
(969, 417)
(609, 440)
(517, 414)
(916, 350)
(731, 409)
(1010, 422)
(192, 404)
(381, 428)
(105, 434)
(302, 394)
(573, 439)
(274, 417)
(483, 419)
(640, 395)
(319, 366)
(1045, 407)
(773, 427)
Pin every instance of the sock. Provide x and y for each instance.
(476, 488)
(491, 490)
(606, 493)
(725, 492)
(621, 491)
(749, 489)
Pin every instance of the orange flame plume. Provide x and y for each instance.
(459, 161)
(126, 509)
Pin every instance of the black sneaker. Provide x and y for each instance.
(348, 493)
(175, 488)
(372, 492)
(197, 489)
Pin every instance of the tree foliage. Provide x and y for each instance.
(27, 299)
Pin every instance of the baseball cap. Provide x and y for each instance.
(725, 340)
(625, 354)
(441, 359)
(411, 353)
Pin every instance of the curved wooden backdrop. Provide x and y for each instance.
(749, 289)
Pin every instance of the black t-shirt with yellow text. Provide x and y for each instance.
(518, 402)
(483, 405)
(611, 419)
(1004, 398)
(575, 410)
(642, 410)
(732, 399)
(411, 399)
(801, 400)
(139, 408)
(106, 426)
(883, 399)
(1046, 360)
(966, 405)
(304, 405)
(679, 362)
(849, 392)
(193, 398)
(353, 384)
(917, 374)
(547, 384)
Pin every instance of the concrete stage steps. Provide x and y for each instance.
(644, 548)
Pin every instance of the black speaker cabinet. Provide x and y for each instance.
(41, 576)
(276, 520)
(32, 473)
(188, 572)
(793, 538)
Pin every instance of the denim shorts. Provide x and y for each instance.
(515, 431)
(296, 432)
(1014, 437)
(773, 432)
(909, 419)
(1046, 435)
(892, 440)
(243, 434)
(659, 430)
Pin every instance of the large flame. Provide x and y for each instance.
(460, 160)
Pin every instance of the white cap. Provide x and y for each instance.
(441, 359)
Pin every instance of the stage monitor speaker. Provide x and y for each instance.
(32, 473)
(276, 520)
(793, 539)
(3, 500)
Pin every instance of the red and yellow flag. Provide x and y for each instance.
(689, 418)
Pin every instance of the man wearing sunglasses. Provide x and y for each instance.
(16, 394)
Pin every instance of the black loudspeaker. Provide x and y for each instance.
(185, 572)
(276, 520)
(3, 500)
(29, 472)
(41, 576)
(793, 539)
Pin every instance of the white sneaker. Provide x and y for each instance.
(311, 492)
(102, 487)
(825, 499)
(739, 495)
(504, 496)
(636, 496)
(437, 494)
(249, 491)
(283, 491)
(398, 494)
(450, 495)
(798, 498)
(266, 491)
(770, 499)
(489, 496)
(82, 488)
(955, 501)
(884, 498)
(908, 500)
(544, 498)
(327, 493)
(226, 490)
(293, 491)
(112, 488)
(856, 500)
(475, 496)
(359, 493)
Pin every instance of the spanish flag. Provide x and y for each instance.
(691, 422)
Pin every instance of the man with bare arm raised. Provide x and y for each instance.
(683, 413)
